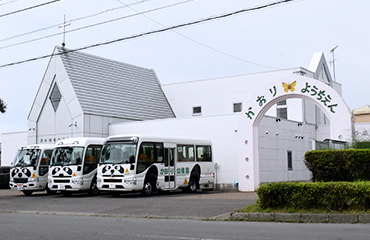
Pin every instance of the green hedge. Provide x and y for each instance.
(339, 165)
(361, 145)
(334, 196)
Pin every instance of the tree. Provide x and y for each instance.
(2, 106)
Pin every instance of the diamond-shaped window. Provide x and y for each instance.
(55, 97)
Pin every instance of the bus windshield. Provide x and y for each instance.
(118, 153)
(27, 158)
(64, 156)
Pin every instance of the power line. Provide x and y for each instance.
(31, 40)
(151, 32)
(95, 24)
(109, 10)
(200, 43)
(28, 8)
(2, 4)
(70, 21)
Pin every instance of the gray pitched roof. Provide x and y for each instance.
(110, 88)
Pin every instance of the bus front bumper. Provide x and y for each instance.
(33, 185)
(69, 184)
(125, 184)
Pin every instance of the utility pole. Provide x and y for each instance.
(333, 61)
(64, 25)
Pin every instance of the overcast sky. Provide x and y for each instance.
(278, 37)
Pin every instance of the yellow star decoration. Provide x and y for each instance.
(290, 86)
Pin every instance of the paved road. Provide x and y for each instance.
(34, 226)
(198, 205)
(105, 217)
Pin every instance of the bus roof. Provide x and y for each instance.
(173, 139)
(79, 141)
(38, 146)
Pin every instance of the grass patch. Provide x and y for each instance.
(257, 208)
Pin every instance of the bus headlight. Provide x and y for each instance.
(78, 181)
(131, 181)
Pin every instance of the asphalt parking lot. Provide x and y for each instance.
(199, 205)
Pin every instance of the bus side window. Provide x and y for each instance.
(91, 158)
(180, 154)
(45, 161)
(190, 154)
(159, 153)
(146, 157)
(204, 154)
(149, 153)
(185, 153)
(45, 158)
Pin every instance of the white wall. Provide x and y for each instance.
(98, 126)
(217, 96)
(294, 110)
(362, 131)
(47, 125)
(275, 139)
(11, 142)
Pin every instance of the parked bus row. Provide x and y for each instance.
(116, 164)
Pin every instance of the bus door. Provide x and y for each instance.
(169, 167)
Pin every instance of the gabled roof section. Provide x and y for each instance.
(362, 110)
(110, 88)
(320, 67)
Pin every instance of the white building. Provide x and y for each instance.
(362, 123)
(80, 95)
(260, 124)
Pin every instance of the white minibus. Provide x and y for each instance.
(73, 165)
(29, 170)
(144, 163)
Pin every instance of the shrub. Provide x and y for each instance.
(361, 145)
(339, 165)
(334, 196)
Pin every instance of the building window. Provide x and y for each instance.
(197, 110)
(282, 110)
(237, 107)
(290, 160)
(55, 97)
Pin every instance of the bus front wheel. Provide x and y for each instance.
(149, 185)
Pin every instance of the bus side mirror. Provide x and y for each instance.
(132, 159)
(78, 161)
(132, 162)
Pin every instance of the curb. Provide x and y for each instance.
(301, 217)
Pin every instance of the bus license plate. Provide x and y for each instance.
(20, 188)
(112, 186)
(61, 187)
